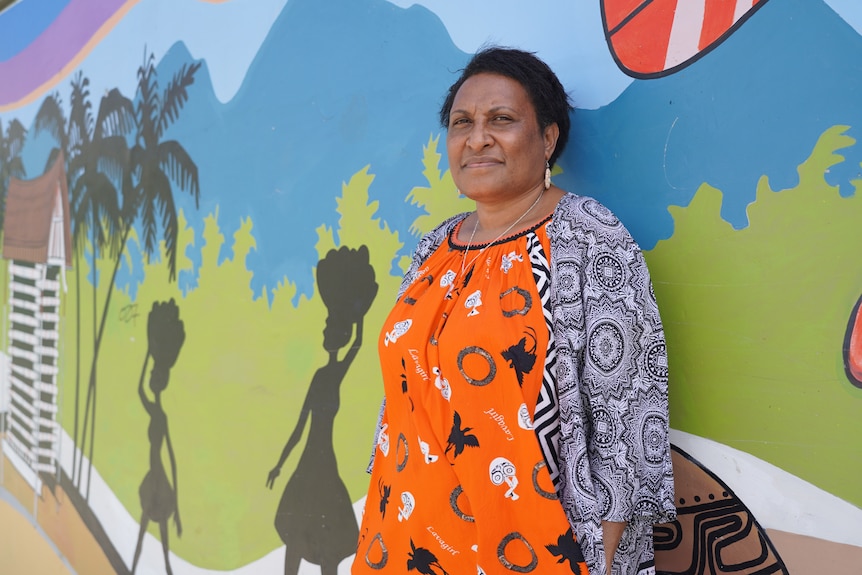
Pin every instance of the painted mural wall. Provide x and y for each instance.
(195, 194)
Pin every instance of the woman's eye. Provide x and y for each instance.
(460, 121)
(502, 118)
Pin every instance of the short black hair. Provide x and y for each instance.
(546, 93)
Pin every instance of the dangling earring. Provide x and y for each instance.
(547, 175)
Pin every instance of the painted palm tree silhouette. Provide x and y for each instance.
(568, 549)
(159, 166)
(11, 164)
(459, 438)
(97, 154)
(315, 516)
(423, 561)
(155, 168)
(158, 495)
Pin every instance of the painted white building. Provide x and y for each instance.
(37, 247)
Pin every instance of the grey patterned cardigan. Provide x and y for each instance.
(611, 380)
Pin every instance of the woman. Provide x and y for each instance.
(315, 517)
(165, 337)
(524, 363)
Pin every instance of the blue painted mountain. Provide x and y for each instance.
(337, 85)
(754, 106)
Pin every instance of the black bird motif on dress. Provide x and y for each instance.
(568, 549)
(520, 358)
(422, 560)
(459, 438)
(385, 492)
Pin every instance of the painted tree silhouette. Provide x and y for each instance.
(11, 165)
(159, 165)
(97, 155)
(155, 169)
(95, 194)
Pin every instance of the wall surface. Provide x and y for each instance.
(156, 407)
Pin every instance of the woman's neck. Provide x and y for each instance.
(495, 220)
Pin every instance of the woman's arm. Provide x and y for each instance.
(612, 386)
(141, 392)
(612, 532)
(174, 479)
(291, 443)
(354, 349)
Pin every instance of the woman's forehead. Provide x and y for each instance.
(488, 91)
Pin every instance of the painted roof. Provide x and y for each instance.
(30, 207)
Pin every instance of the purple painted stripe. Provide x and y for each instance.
(57, 46)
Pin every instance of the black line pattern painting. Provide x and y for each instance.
(714, 531)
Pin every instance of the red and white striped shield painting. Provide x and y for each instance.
(650, 38)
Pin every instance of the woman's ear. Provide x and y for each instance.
(550, 135)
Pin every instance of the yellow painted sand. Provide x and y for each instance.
(23, 549)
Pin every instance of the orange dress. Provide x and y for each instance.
(459, 483)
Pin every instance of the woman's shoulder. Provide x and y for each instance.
(427, 245)
(577, 215)
(432, 240)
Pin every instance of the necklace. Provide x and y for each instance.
(464, 264)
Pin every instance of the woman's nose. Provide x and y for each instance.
(479, 137)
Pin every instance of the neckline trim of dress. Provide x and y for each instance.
(453, 244)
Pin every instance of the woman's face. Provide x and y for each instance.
(496, 149)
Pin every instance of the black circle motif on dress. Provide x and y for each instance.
(656, 361)
(501, 554)
(546, 494)
(601, 213)
(655, 438)
(603, 427)
(608, 270)
(400, 465)
(606, 346)
(384, 553)
(453, 502)
(528, 301)
(492, 367)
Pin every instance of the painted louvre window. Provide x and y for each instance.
(37, 246)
